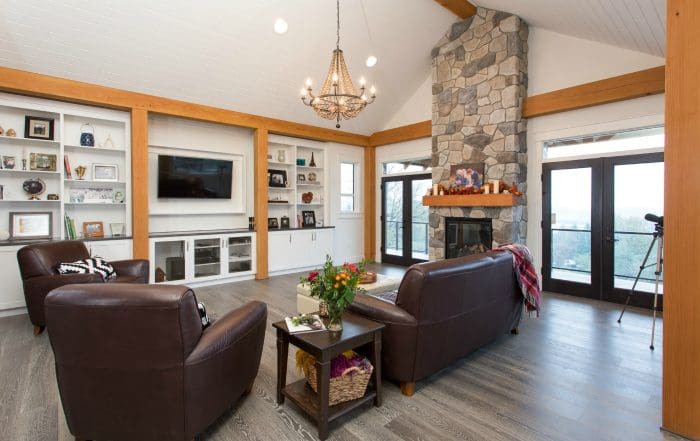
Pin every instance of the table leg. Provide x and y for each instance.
(376, 359)
(282, 353)
(324, 379)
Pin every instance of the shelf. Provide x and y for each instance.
(281, 188)
(90, 182)
(239, 259)
(306, 167)
(282, 204)
(29, 201)
(95, 203)
(313, 204)
(21, 140)
(319, 185)
(204, 247)
(99, 149)
(14, 170)
(472, 200)
(207, 264)
(279, 163)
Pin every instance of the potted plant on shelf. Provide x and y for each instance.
(335, 286)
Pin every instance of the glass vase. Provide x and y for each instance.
(335, 320)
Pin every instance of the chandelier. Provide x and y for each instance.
(339, 98)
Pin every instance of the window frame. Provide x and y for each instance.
(355, 185)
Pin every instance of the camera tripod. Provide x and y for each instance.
(659, 241)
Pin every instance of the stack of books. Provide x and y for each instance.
(304, 323)
(70, 227)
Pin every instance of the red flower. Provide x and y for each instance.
(312, 276)
(351, 267)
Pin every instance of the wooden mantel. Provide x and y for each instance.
(472, 200)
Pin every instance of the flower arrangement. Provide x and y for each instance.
(336, 286)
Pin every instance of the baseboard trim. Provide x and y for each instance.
(13, 311)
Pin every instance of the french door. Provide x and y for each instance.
(404, 219)
(595, 236)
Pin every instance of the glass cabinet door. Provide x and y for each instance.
(239, 254)
(169, 259)
(207, 257)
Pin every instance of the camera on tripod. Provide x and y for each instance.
(658, 220)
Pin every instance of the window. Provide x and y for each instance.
(605, 143)
(403, 167)
(347, 186)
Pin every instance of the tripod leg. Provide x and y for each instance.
(636, 279)
(657, 273)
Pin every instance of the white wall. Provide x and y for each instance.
(556, 61)
(402, 151)
(177, 136)
(418, 107)
(629, 114)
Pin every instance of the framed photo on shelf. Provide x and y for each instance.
(38, 128)
(42, 161)
(301, 177)
(31, 225)
(93, 229)
(284, 222)
(105, 172)
(276, 178)
(272, 222)
(308, 218)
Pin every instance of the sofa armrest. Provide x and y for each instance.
(132, 268)
(380, 310)
(228, 330)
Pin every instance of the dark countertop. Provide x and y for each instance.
(17, 242)
(215, 232)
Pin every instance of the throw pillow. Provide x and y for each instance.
(92, 265)
(203, 315)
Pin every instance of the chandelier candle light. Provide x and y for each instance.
(339, 98)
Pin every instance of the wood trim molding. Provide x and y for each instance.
(45, 86)
(460, 8)
(610, 90)
(681, 324)
(139, 183)
(423, 129)
(260, 209)
(370, 205)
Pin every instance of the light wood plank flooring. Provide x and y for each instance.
(572, 374)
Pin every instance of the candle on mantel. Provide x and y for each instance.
(435, 189)
(496, 187)
(487, 188)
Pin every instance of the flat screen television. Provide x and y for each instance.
(194, 178)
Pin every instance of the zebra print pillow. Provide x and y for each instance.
(93, 265)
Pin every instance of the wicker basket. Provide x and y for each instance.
(346, 387)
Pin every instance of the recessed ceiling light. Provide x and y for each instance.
(281, 26)
(371, 61)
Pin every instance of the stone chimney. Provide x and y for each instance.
(479, 71)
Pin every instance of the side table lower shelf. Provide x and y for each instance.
(301, 394)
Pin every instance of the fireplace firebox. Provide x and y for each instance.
(465, 236)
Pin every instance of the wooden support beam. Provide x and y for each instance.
(45, 86)
(610, 90)
(370, 203)
(460, 8)
(681, 324)
(410, 132)
(139, 183)
(260, 210)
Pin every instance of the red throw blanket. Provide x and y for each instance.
(525, 272)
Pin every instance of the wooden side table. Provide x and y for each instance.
(325, 346)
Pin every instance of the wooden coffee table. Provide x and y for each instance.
(325, 346)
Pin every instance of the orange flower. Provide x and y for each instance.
(337, 277)
(344, 283)
(336, 286)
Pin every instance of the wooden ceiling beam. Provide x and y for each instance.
(610, 90)
(461, 8)
(410, 132)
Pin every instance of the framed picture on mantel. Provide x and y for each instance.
(467, 175)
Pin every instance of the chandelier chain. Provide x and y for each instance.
(337, 15)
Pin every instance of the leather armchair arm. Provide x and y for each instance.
(380, 310)
(226, 331)
(44, 284)
(132, 268)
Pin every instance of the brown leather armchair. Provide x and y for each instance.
(133, 363)
(37, 265)
(444, 310)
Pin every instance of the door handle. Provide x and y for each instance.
(610, 239)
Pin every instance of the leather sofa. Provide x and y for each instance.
(444, 310)
(37, 265)
(133, 362)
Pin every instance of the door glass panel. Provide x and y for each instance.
(239, 254)
(419, 219)
(207, 257)
(170, 261)
(393, 209)
(571, 224)
(639, 190)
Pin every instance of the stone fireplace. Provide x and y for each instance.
(479, 71)
(465, 236)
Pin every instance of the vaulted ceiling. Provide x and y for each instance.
(224, 53)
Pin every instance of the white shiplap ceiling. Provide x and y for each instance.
(638, 25)
(224, 52)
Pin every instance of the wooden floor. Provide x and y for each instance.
(572, 374)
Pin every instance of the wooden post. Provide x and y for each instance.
(139, 182)
(260, 186)
(370, 191)
(681, 350)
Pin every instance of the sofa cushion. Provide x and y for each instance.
(91, 265)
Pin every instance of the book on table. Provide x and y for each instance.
(304, 323)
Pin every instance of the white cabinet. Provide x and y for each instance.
(12, 292)
(110, 249)
(295, 249)
(188, 259)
